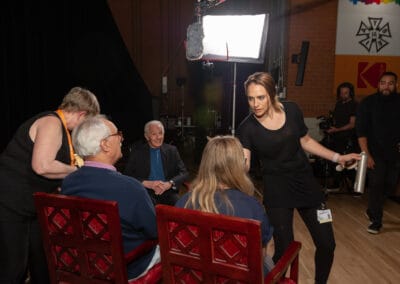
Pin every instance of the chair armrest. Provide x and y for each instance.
(141, 250)
(289, 258)
(154, 275)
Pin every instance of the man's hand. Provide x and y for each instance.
(161, 186)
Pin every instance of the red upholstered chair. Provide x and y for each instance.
(198, 247)
(83, 241)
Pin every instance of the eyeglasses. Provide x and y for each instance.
(118, 133)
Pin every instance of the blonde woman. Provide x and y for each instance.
(276, 132)
(37, 158)
(222, 186)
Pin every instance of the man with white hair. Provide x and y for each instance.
(157, 165)
(98, 141)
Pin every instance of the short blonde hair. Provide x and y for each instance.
(80, 99)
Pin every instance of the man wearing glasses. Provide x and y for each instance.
(98, 141)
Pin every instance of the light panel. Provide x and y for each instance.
(235, 38)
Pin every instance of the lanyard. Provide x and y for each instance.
(71, 148)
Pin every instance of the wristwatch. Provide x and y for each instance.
(173, 184)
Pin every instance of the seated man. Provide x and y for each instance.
(98, 141)
(157, 165)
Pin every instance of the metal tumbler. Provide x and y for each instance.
(359, 183)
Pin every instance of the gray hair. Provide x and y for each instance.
(87, 136)
(153, 122)
(80, 99)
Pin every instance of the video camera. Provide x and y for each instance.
(326, 122)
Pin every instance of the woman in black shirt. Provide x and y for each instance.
(275, 132)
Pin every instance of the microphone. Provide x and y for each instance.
(194, 43)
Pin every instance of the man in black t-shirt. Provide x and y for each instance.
(378, 131)
(344, 117)
(342, 138)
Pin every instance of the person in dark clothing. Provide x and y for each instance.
(342, 137)
(98, 141)
(277, 134)
(157, 165)
(37, 158)
(344, 116)
(378, 131)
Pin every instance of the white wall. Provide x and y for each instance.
(313, 129)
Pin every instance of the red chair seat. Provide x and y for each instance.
(198, 247)
(83, 241)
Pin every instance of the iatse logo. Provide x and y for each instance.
(374, 34)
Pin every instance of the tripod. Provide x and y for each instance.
(327, 166)
(180, 81)
(342, 179)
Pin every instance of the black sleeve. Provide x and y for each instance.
(180, 172)
(244, 134)
(299, 118)
(361, 120)
(134, 164)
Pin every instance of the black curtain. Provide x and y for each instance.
(48, 47)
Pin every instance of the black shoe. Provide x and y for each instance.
(374, 228)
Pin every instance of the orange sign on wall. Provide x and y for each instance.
(363, 71)
(367, 43)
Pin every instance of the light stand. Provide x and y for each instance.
(181, 84)
(233, 100)
(229, 38)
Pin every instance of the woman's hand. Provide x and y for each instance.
(348, 159)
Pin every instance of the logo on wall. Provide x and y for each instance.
(374, 35)
(369, 73)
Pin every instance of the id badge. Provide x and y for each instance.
(324, 216)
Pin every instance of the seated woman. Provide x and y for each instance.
(222, 186)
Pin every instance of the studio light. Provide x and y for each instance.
(235, 38)
(230, 38)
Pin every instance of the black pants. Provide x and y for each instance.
(382, 181)
(322, 235)
(169, 197)
(21, 250)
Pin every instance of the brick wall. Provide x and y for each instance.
(313, 21)
(153, 30)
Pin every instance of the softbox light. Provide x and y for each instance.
(233, 38)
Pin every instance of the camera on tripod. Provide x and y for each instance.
(326, 122)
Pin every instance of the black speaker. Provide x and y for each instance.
(301, 60)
